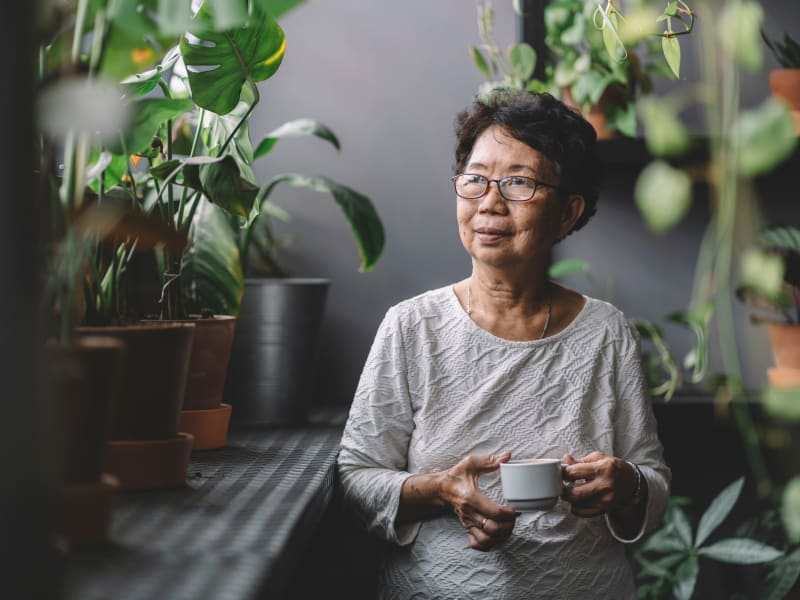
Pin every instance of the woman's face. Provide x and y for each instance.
(500, 233)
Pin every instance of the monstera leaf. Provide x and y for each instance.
(219, 63)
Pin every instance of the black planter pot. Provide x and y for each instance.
(273, 362)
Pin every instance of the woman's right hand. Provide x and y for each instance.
(488, 524)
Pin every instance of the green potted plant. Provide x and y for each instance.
(671, 557)
(742, 144)
(598, 60)
(604, 61)
(771, 285)
(784, 82)
(228, 265)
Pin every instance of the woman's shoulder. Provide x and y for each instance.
(430, 303)
(437, 298)
(603, 315)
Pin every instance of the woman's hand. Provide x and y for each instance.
(606, 484)
(488, 524)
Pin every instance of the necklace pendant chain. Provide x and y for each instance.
(546, 321)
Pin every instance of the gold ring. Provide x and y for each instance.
(484, 522)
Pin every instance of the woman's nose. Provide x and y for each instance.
(492, 201)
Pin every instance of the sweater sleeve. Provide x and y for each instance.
(636, 436)
(372, 459)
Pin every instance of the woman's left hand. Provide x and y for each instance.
(606, 483)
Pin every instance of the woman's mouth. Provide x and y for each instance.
(490, 234)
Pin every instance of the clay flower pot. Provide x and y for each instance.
(146, 449)
(203, 414)
(785, 85)
(83, 382)
(785, 342)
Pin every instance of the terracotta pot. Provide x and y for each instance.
(150, 464)
(85, 509)
(597, 113)
(83, 383)
(785, 342)
(785, 85)
(154, 378)
(203, 415)
(783, 377)
(208, 365)
(208, 426)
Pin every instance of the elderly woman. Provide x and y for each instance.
(507, 363)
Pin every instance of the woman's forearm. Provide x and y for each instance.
(421, 497)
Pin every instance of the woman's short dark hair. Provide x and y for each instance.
(545, 124)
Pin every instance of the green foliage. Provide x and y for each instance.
(771, 274)
(663, 195)
(786, 52)
(182, 157)
(676, 544)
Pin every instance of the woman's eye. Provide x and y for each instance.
(518, 181)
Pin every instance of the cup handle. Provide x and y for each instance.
(566, 484)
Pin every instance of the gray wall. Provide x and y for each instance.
(389, 79)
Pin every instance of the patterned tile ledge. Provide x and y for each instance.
(234, 531)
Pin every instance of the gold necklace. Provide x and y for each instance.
(546, 321)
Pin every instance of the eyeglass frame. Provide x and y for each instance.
(536, 184)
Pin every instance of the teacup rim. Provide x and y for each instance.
(520, 462)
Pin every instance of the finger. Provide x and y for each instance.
(481, 540)
(589, 469)
(568, 459)
(480, 464)
(593, 457)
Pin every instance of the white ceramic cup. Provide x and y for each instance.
(531, 484)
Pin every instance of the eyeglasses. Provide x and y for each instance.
(515, 188)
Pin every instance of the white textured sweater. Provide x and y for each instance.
(436, 387)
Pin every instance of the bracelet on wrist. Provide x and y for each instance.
(638, 492)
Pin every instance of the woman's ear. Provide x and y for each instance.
(573, 209)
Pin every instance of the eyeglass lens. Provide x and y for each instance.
(511, 188)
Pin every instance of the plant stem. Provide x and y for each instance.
(725, 190)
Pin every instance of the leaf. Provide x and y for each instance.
(568, 266)
(610, 38)
(672, 52)
(523, 60)
(663, 195)
(134, 41)
(278, 8)
(358, 211)
(147, 116)
(685, 578)
(764, 137)
(739, 32)
(296, 128)
(665, 540)
(664, 566)
(480, 61)
(683, 528)
(218, 128)
(219, 63)
(623, 119)
(211, 269)
(790, 506)
(716, 512)
(783, 404)
(226, 188)
(740, 551)
(763, 272)
(782, 577)
(228, 15)
(665, 135)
